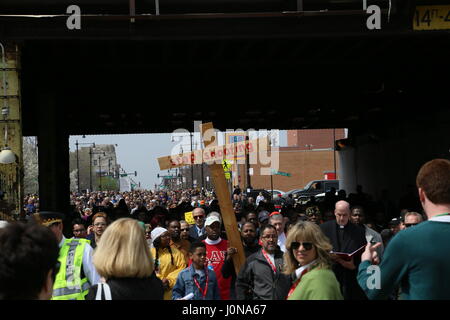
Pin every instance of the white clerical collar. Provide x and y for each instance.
(299, 271)
(213, 242)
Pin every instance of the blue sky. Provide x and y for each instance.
(139, 152)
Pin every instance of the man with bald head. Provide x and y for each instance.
(345, 237)
(198, 229)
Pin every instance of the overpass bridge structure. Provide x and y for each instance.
(155, 66)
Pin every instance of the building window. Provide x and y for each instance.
(95, 162)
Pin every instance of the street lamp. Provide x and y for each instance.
(192, 165)
(78, 163)
(191, 135)
(90, 164)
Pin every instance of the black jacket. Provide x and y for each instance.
(132, 289)
(257, 281)
(228, 268)
(354, 238)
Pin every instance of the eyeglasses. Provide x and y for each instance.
(407, 225)
(306, 245)
(187, 229)
(198, 217)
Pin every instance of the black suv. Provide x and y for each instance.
(313, 188)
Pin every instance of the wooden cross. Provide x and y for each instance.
(213, 155)
(225, 203)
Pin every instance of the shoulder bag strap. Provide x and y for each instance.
(107, 292)
(99, 291)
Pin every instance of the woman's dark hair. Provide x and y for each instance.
(157, 245)
(27, 253)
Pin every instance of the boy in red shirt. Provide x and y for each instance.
(216, 248)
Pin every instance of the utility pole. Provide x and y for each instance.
(78, 169)
(192, 165)
(247, 163)
(236, 161)
(90, 165)
(90, 169)
(100, 173)
(92, 144)
(334, 152)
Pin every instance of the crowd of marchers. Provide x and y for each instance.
(173, 245)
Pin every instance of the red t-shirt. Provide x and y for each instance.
(215, 256)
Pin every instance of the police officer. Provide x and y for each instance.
(77, 273)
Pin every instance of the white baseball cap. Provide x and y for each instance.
(211, 219)
(157, 232)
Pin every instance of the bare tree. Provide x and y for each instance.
(31, 165)
(73, 181)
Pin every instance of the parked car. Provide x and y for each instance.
(314, 188)
(255, 192)
(276, 192)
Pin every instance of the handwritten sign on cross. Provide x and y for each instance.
(214, 155)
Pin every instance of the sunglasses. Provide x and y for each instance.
(198, 217)
(187, 229)
(407, 225)
(306, 245)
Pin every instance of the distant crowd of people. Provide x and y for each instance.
(173, 245)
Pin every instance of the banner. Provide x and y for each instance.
(189, 218)
(214, 154)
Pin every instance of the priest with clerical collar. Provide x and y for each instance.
(345, 237)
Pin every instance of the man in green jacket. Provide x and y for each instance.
(417, 258)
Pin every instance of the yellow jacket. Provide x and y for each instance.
(167, 270)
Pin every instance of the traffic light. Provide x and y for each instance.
(135, 173)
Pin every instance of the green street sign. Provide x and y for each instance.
(279, 173)
(124, 175)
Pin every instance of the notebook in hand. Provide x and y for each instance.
(348, 256)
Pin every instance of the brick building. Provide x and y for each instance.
(309, 154)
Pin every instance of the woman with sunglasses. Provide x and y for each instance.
(307, 258)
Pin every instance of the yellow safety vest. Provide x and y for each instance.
(68, 283)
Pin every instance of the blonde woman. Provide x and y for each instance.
(307, 257)
(123, 258)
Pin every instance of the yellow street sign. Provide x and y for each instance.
(432, 18)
